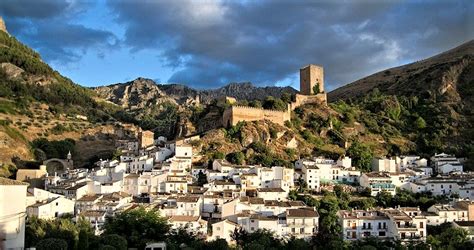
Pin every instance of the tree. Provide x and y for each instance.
(293, 244)
(274, 103)
(328, 208)
(114, 240)
(384, 199)
(138, 226)
(316, 88)
(361, 155)
(202, 178)
(52, 244)
(217, 244)
(236, 158)
(260, 239)
(420, 123)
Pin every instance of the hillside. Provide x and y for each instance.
(37, 102)
(430, 102)
(437, 75)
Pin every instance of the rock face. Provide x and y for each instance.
(245, 91)
(3, 27)
(136, 94)
(141, 92)
(11, 70)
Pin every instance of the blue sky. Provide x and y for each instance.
(207, 44)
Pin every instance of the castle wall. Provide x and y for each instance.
(235, 114)
(309, 99)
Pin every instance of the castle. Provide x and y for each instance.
(311, 91)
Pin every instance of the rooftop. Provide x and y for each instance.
(10, 182)
(302, 212)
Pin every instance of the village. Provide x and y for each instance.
(215, 201)
(160, 174)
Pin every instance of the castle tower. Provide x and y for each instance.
(3, 27)
(311, 76)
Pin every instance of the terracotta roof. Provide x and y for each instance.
(227, 182)
(184, 218)
(89, 197)
(93, 213)
(270, 190)
(187, 199)
(10, 182)
(302, 212)
(465, 223)
(77, 186)
(115, 196)
(130, 176)
(252, 200)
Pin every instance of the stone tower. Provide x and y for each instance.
(3, 27)
(309, 77)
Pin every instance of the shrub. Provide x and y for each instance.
(52, 244)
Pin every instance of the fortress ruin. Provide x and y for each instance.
(311, 92)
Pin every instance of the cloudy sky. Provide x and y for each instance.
(207, 44)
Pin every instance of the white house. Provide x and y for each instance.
(277, 194)
(310, 174)
(223, 230)
(377, 182)
(384, 165)
(452, 163)
(447, 213)
(191, 223)
(51, 208)
(302, 222)
(12, 213)
(404, 224)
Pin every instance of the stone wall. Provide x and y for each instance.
(320, 98)
(235, 114)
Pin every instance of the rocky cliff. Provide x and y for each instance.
(142, 92)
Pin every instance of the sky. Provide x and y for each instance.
(207, 44)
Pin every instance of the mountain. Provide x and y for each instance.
(38, 103)
(439, 75)
(143, 92)
(430, 102)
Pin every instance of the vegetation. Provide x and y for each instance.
(44, 149)
(361, 155)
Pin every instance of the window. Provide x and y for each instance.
(354, 235)
(421, 224)
(382, 233)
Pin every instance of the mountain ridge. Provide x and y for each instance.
(394, 75)
(182, 94)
